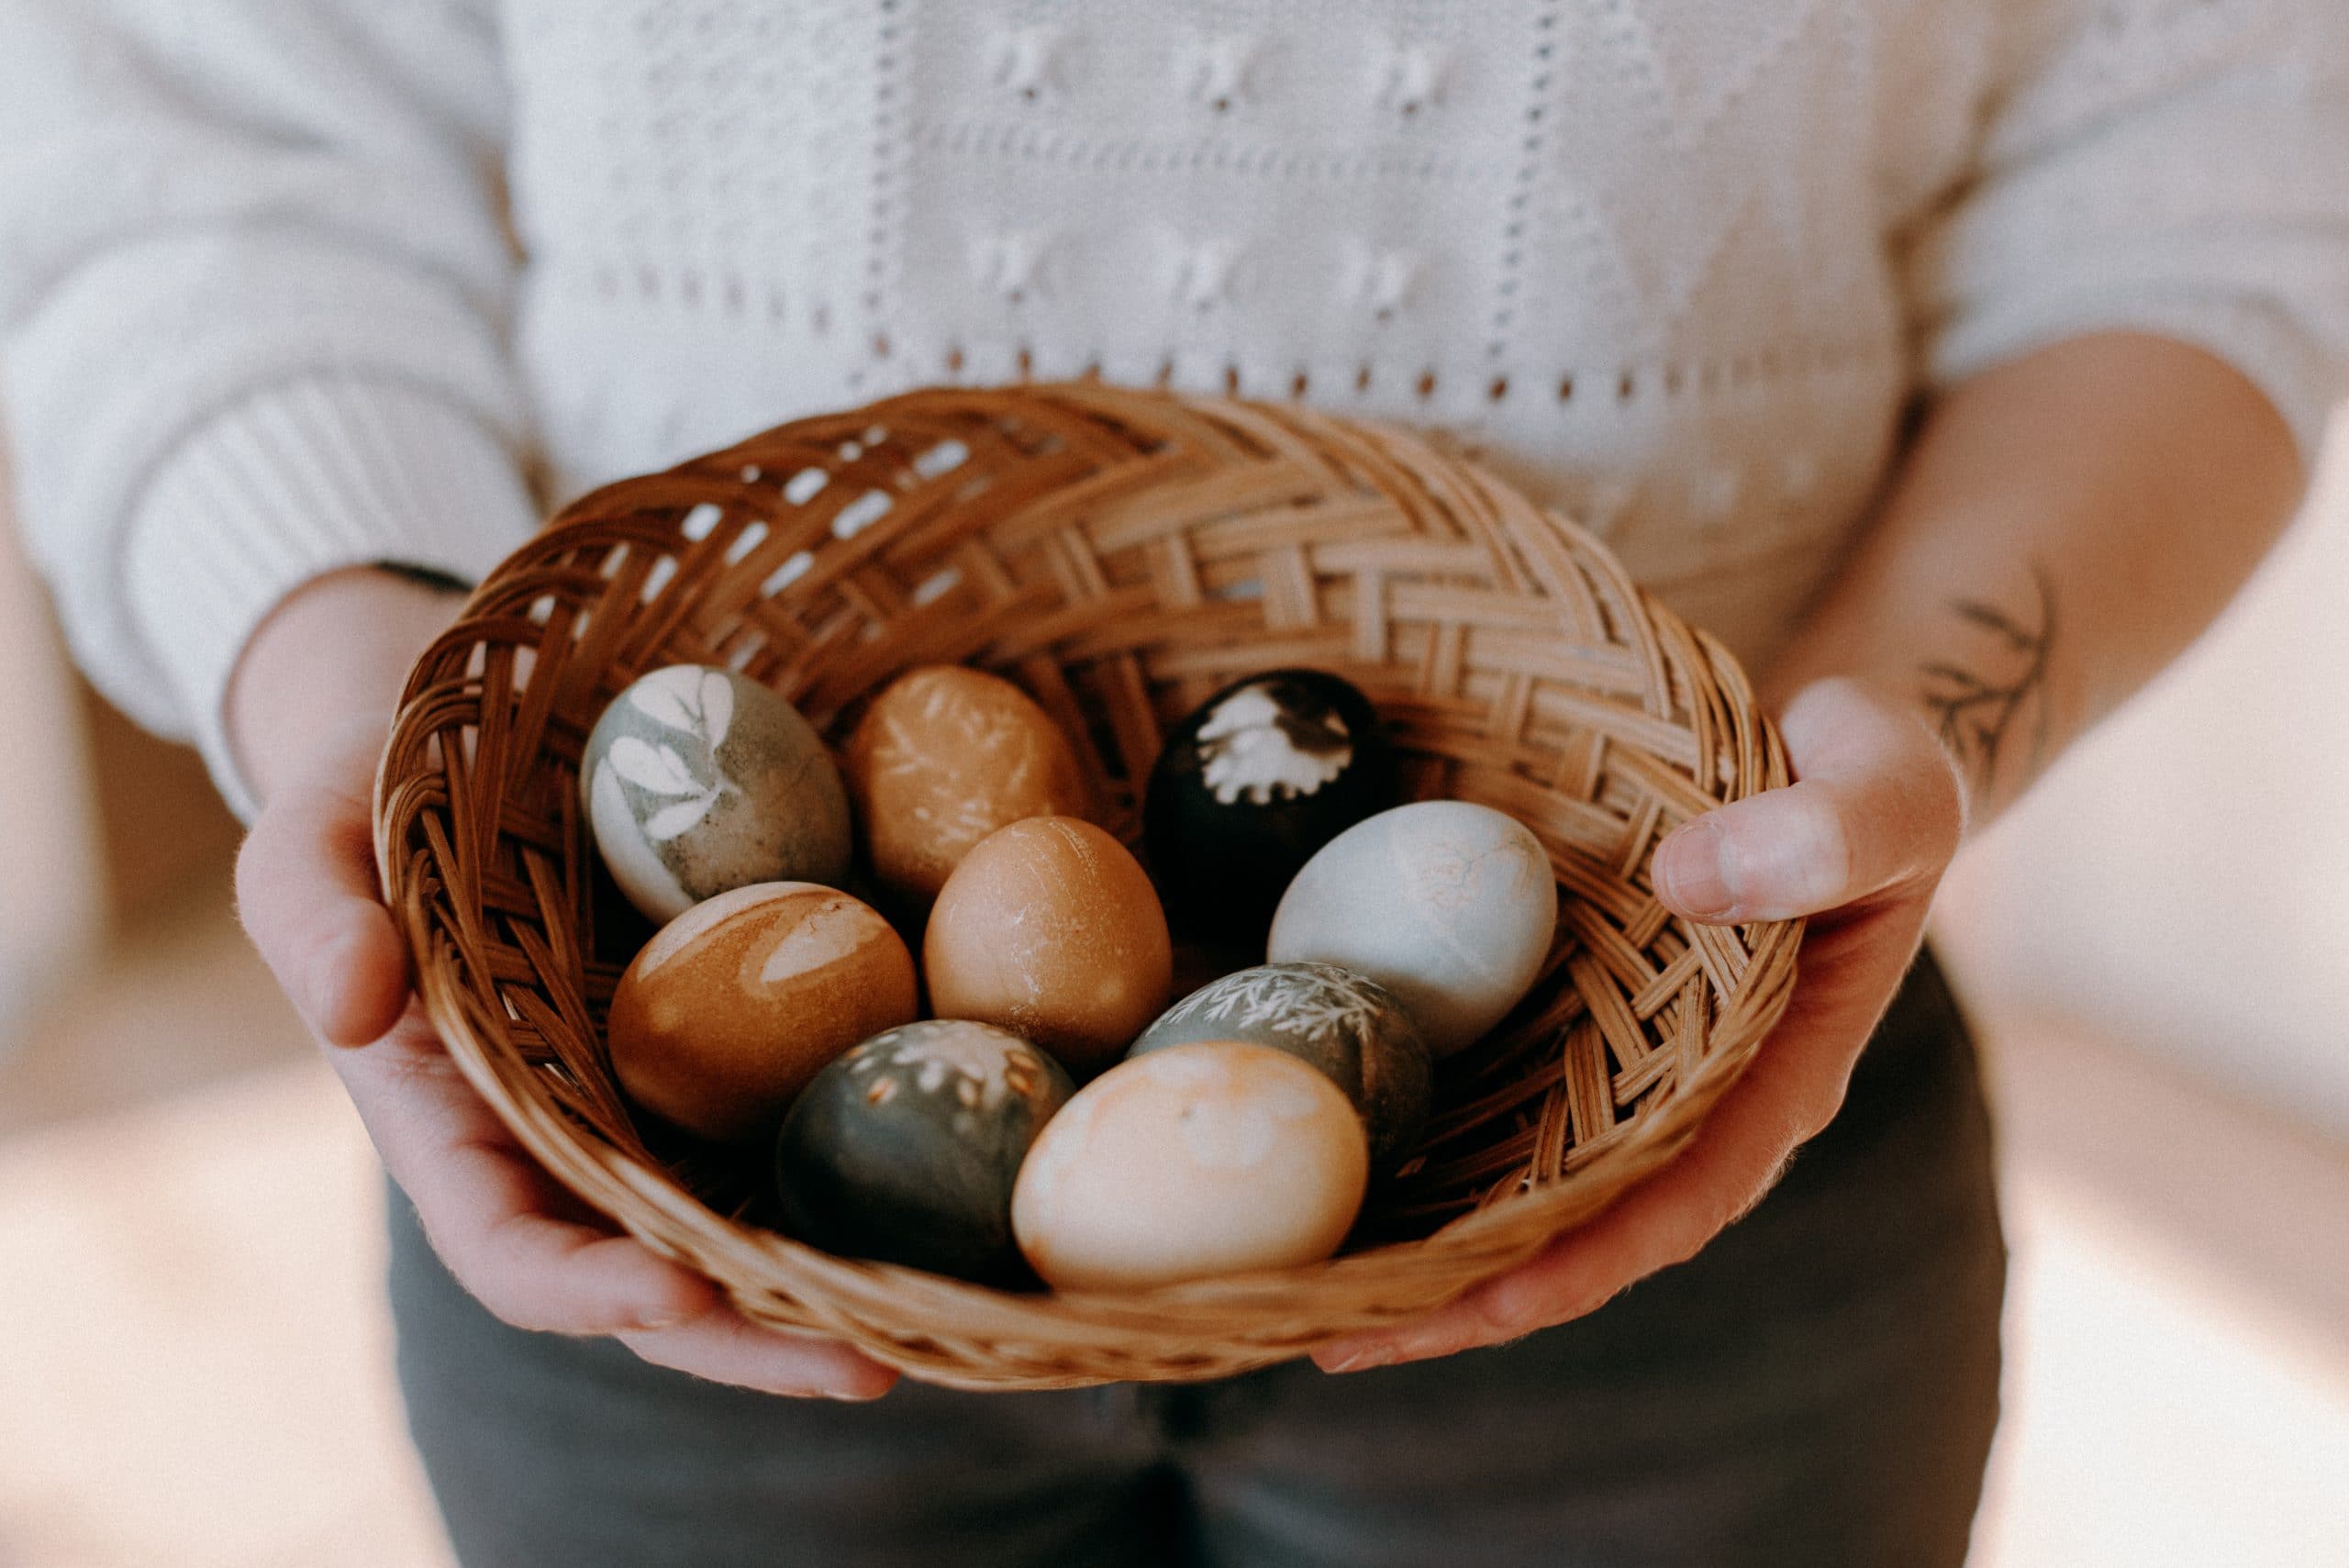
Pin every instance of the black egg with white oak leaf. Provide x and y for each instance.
(1251, 784)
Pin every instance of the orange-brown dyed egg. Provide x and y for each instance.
(735, 1005)
(1050, 929)
(944, 757)
(1206, 1159)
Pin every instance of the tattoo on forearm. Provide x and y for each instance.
(2004, 693)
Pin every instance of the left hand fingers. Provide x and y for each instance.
(1785, 1096)
(1874, 816)
(1875, 807)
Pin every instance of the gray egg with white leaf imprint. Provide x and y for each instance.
(697, 782)
(906, 1148)
(1349, 1027)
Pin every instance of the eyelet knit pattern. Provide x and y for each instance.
(1675, 265)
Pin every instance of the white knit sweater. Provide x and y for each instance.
(266, 308)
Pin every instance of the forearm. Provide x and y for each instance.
(2064, 525)
(254, 305)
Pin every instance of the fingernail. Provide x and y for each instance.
(1365, 1358)
(322, 985)
(1688, 870)
(1512, 1316)
(853, 1392)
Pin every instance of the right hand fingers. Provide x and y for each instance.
(530, 1254)
(501, 1224)
(725, 1347)
(516, 1239)
(307, 891)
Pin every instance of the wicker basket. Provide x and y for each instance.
(1119, 555)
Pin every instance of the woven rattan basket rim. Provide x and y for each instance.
(1102, 451)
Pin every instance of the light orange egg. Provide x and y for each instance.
(1050, 929)
(735, 1005)
(944, 757)
(1196, 1161)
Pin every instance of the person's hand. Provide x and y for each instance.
(310, 716)
(1857, 843)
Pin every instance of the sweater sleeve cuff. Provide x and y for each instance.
(303, 479)
(2292, 367)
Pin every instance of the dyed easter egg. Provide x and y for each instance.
(697, 782)
(1050, 928)
(1448, 905)
(1199, 1159)
(944, 757)
(734, 1005)
(1351, 1028)
(905, 1150)
(1251, 785)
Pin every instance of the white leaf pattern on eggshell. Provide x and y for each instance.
(1318, 1003)
(655, 768)
(665, 694)
(717, 709)
(650, 883)
(671, 820)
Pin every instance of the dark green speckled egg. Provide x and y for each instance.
(904, 1148)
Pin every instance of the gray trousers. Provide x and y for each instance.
(1818, 1388)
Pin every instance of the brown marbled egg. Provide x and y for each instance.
(1206, 1159)
(944, 757)
(1050, 929)
(735, 1005)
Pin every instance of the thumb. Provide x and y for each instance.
(306, 892)
(1875, 807)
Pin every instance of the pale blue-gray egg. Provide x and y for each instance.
(1449, 905)
(697, 782)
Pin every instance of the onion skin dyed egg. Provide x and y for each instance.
(905, 1150)
(1351, 1028)
(1251, 785)
(944, 757)
(1213, 1158)
(1449, 905)
(735, 1006)
(1050, 929)
(697, 782)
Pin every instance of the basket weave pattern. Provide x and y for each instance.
(1119, 555)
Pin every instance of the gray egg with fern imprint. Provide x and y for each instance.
(1349, 1027)
(697, 780)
